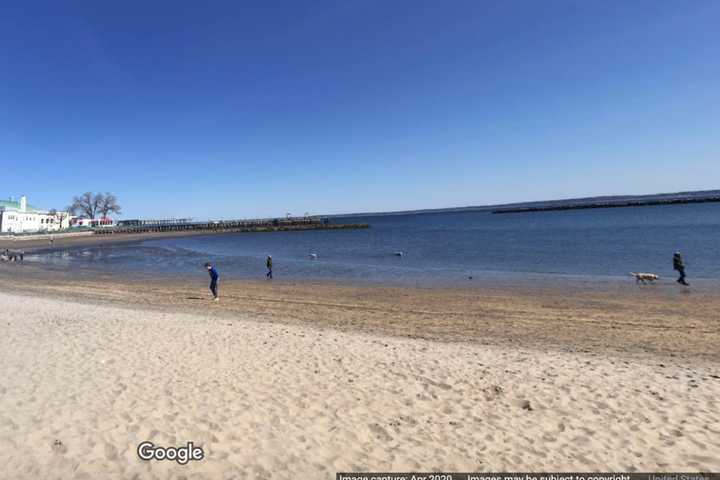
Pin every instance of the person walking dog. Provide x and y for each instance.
(679, 265)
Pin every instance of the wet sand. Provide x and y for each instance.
(55, 241)
(661, 319)
(50, 241)
(284, 379)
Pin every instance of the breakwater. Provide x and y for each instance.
(616, 204)
(262, 225)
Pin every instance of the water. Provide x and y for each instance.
(441, 248)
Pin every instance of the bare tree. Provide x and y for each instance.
(89, 205)
(108, 204)
(84, 205)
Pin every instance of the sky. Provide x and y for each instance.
(257, 109)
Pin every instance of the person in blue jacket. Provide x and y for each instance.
(213, 280)
(268, 264)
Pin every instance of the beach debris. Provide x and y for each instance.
(498, 390)
(58, 446)
(313, 256)
(525, 405)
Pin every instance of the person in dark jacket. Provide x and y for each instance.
(213, 280)
(679, 265)
(268, 264)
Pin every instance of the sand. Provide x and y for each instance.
(85, 381)
(621, 317)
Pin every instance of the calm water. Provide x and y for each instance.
(598, 244)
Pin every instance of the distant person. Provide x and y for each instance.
(679, 265)
(22, 255)
(268, 264)
(213, 280)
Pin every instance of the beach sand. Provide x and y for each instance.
(278, 381)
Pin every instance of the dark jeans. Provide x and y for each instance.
(214, 288)
(681, 271)
(269, 274)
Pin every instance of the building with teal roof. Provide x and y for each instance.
(11, 204)
(21, 217)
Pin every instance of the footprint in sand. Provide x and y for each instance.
(111, 452)
(381, 433)
(525, 405)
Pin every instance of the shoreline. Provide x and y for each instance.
(284, 379)
(42, 242)
(445, 280)
(507, 280)
(641, 320)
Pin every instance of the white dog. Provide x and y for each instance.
(644, 277)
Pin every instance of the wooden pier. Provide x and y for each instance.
(259, 225)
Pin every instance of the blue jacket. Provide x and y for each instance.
(213, 274)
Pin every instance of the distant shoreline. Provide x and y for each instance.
(607, 201)
(648, 203)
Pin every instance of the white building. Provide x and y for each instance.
(20, 217)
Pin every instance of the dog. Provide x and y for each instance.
(644, 277)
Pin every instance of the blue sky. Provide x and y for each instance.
(238, 109)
